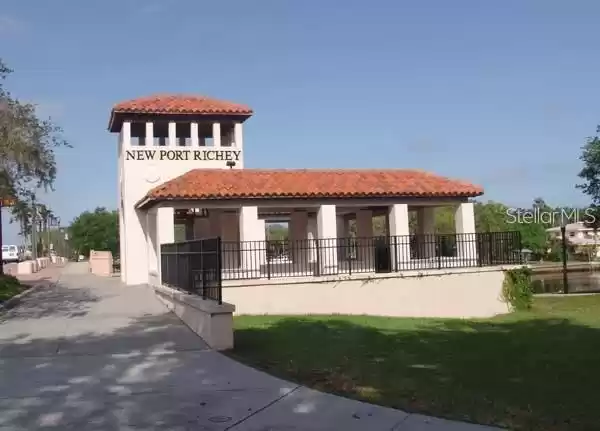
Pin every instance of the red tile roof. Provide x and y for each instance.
(311, 184)
(171, 104)
(180, 104)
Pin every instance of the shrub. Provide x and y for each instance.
(9, 280)
(517, 288)
(9, 287)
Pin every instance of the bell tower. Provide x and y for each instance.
(160, 138)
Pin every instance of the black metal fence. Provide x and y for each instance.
(289, 258)
(199, 266)
(193, 266)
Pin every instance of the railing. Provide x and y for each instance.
(193, 266)
(289, 258)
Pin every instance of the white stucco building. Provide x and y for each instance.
(578, 235)
(182, 152)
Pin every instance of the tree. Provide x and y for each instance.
(545, 213)
(491, 217)
(97, 230)
(590, 174)
(27, 144)
(533, 236)
(444, 220)
(21, 213)
(46, 216)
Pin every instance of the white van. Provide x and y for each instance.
(10, 253)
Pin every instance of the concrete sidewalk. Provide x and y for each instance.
(90, 354)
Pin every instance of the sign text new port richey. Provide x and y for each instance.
(200, 155)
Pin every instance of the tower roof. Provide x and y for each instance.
(176, 104)
(308, 184)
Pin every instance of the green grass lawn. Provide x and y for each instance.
(537, 370)
(9, 287)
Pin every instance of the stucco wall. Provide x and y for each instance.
(462, 294)
(138, 176)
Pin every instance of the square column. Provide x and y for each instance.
(342, 235)
(299, 250)
(252, 245)
(136, 247)
(426, 240)
(216, 127)
(122, 246)
(466, 239)
(125, 144)
(238, 136)
(172, 140)
(152, 247)
(164, 228)
(312, 239)
(194, 137)
(165, 220)
(364, 235)
(149, 139)
(399, 235)
(327, 242)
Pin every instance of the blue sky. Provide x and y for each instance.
(498, 93)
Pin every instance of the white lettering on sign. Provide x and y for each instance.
(201, 155)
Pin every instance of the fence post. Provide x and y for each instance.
(438, 240)
(519, 245)
(318, 249)
(190, 263)
(348, 252)
(266, 243)
(479, 249)
(219, 269)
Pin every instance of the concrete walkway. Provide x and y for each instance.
(90, 354)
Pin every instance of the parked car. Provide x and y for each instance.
(10, 253)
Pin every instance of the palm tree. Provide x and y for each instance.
(21, 212)
(45, 214)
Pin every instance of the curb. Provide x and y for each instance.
(11, 302)
(15, 300)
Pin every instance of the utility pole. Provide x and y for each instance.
(4, 202)
(47, 224)
(1, 240)
(33, 230)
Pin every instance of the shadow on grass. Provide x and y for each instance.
(534, 374)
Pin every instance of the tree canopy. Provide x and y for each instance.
(97, 230)
(27, 145)
(590, 176)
